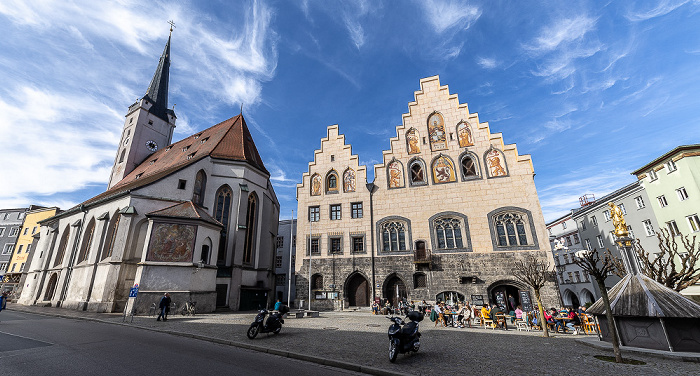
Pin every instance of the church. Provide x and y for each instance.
(451, 208)
(196, 218)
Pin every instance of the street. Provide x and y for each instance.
(34, 344)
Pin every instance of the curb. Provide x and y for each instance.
(682, 356)
(286, 354)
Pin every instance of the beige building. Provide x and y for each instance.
(450, 210)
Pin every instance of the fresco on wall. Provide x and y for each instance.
(496, 164)
(316, 185)
(436, 129)
(349, 180)
(171, 242)
(464, 134)
(412, 139)
(395, 175)
(443, 170)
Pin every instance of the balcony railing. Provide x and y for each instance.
(422, 256)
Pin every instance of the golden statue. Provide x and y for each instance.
(618, 219)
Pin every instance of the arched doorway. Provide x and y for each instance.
(507, 294)
(357, 291)
(395, 289)
(51, 287)
(570, 299)
(587, 297)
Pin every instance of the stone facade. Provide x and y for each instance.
(450, 210)
(10, 223)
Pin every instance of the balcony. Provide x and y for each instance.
(422, 256)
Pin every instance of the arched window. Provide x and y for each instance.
(448, 232)
(222, 210)
(111, 236)
(200, 185)
(469, 166)
(511, 230)
(332, 182)
(51, 287)
(87, 241)
(413, 141)
(417, 172)
(62, 247)
(206, 250)
(317, 282)
(250, 229)
(393, 236)
(349, 180)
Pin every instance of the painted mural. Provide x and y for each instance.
(316, 185)
(495, 163)
(349, 180)
(413, 139)
(443, 170)
(171, 242)
(436, 129)
(395, 175)
(464, 134)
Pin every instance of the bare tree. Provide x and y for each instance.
(671, 267)
(599, 269)
(535, 274)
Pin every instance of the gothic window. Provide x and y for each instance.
(436, 132)
(511, 229)
(62, 247)
(315, 185)
(448, 233)
(222, 211)
(349, 180)
(464, 134)
(443, 170)
(251, 227)
(111, 236)
(412, 141)
(495, 163)
(332, 182)
(417, 172)
(87, 241)
(469, 167)
(200, 185)
(317, 282)
(395, 174)
(393, 236)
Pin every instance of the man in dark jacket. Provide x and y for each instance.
(164, 306)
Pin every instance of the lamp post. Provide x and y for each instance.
(289, 274)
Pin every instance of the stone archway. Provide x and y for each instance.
(395, 289)
(586, 297)
(501, 292)
(51, 287)
(570, 299)
(357, 291)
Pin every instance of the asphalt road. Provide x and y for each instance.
(35, 345)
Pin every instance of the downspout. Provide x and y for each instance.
(69, 272)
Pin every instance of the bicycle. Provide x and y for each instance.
(189, 308)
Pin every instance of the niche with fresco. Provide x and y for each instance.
(171, 242)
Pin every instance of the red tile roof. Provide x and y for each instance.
(229, 140)
(185, 210)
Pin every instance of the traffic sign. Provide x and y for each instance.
(134, 291)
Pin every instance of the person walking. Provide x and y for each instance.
(164, 306)
(3, 301)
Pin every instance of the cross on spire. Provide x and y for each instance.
(172, 26)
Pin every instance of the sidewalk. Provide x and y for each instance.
(358, 341)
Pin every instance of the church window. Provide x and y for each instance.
(62, 247)
(332, 182)
(448, 233)
(251, 227)
(111, 236)
(204, 259)
(393, 236)
(511, 229)
(200, 185)
(181, 184)
(87, 242)
(417, 172)
(221, 214)
(469, 167)
(121, 157)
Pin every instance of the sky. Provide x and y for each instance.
(591, 90)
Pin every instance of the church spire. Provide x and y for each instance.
(157, 92)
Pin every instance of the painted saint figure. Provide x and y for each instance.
(464, 135)
(316, 185)
(349, 180)
(412, 139)
(436, 130)
(395, 175)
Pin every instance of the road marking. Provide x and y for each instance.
(31, 339)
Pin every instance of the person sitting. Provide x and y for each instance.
(556, 319)
(549, 319)
(468, 314)
(518, 312)
(375, 308)
(573, 322)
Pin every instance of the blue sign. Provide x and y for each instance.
(133, 292)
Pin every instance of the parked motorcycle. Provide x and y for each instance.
(404, 337)
(273, 324)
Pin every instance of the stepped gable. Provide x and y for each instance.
(640, 296)
(230, 140)
(185, 210)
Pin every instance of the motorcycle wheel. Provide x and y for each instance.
(253, 331)
(277, 331)
(393, 351)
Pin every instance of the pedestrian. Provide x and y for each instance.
(164, 306)
(278, 305)
(3, 301)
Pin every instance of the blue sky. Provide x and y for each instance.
(591, 90)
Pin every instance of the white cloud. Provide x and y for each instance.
(449, 14)
(663, 8)
(486, 62)
(563, 31)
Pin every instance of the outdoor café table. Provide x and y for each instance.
(563, 320)
(449, 318)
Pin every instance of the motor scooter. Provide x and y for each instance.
(273, 324)
(404, 337)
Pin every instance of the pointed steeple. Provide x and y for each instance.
(157, 92)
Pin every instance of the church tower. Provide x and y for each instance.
(149, 123)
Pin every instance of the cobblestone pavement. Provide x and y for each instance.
(360, 338)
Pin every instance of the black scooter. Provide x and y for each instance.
(404, 337)
(272, 325)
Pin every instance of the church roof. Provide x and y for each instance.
(640, 296)
(229, 140)
(157, 92)
(185, 210)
